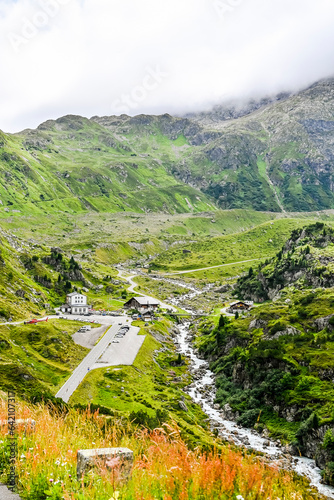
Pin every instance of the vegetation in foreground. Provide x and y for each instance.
(164, 467)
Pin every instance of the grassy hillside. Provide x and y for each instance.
(37, 359)
(261, 242)
(306, 260)
(74, 165)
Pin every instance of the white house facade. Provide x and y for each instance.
(76, 303)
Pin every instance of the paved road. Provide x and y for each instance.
(90, 360)
(5, 494)
(224, 311)
(21, 322)
(207, 268)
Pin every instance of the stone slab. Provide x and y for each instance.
(88, 459)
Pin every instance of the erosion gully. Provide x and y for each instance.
(203, 392)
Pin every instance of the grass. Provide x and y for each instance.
(164, 465)
(59, 170)
(158, 288)
(263, 241)
(38, 358)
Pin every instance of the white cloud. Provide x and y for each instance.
(83, 56)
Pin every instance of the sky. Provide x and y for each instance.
(106, 57)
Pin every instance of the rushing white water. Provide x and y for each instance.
(247, 438)
(205, 379)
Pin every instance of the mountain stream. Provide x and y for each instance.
(203, 392)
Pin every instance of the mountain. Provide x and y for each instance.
(275, 154)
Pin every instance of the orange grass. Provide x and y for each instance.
(164, 468)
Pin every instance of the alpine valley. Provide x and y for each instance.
(197, 212)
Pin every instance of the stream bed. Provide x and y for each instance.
(203, 392)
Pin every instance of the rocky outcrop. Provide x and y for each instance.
(326, 322)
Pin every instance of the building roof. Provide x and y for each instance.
(147, 301)
(245, 302)
(75, 293)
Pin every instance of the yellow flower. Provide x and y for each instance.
(115, 496)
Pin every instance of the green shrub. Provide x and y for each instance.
(312, 423)
(249, 418)
(328, 474)
(279, 326)
(328, 442)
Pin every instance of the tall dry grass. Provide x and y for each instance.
(164, 468)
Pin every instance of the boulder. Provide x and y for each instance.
(257, 323)
(183, 406)
(122, 458)
(228, 412)
(322, 323)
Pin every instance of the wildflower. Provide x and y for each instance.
(51, 480)
(22, 456)
(240, 497)
(115, 496)
(57, 462)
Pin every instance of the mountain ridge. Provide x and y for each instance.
(276, 156)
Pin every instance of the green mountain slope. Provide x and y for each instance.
(261, 242)
(306, 260)
(275, 369)
(276, 155)
(74, 164)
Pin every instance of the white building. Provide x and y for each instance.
(76, 303)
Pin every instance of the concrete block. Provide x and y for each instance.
(119, 458)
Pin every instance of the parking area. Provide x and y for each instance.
(122, 349)
(109, 351)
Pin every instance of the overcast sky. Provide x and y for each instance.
(103, 57)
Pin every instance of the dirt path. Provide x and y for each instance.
(207, 268)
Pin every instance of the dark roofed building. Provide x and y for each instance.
(142, 304)
(240, 306)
